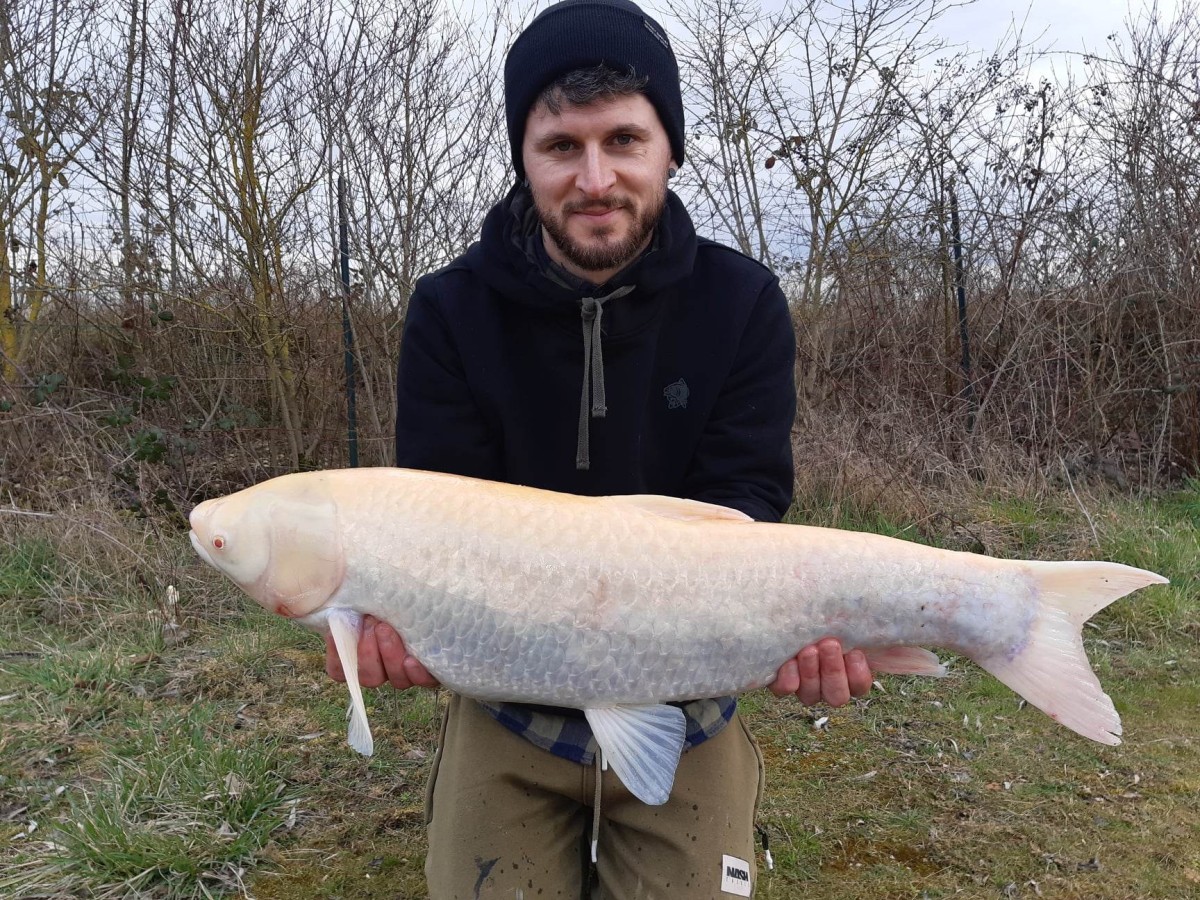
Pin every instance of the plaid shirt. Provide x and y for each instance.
(570, 736)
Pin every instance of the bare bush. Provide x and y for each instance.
(171, 308)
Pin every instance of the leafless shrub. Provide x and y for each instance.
(176, 330)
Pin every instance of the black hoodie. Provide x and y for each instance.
(693, 390)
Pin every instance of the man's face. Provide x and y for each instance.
(598, 175)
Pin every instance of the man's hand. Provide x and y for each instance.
(822, 672)
(382, 657)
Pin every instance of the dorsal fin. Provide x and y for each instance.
(678, 508)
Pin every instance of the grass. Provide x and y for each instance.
(181, 807)
(197, 748)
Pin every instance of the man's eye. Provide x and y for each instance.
(562, 146)
(624, 140)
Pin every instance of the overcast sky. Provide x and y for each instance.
(1062, 29)
(1066, 26)
(1063, 26)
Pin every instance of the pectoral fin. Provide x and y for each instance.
(344, 625)
(643, 745)
(904, 661)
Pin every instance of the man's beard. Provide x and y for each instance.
(600, 256)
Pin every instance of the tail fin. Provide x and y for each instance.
(1052, 671)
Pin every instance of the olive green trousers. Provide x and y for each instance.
(507, 819)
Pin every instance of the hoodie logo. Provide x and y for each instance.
(676, 394)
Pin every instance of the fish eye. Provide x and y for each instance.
(218, 543)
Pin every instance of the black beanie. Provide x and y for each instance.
(580, 34)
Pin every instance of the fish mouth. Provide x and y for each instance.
(199, 548)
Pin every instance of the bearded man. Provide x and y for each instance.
(591, 343)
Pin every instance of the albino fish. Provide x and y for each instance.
(618, 605)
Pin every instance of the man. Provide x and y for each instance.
(591, 343)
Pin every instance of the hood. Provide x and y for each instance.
(511, 258)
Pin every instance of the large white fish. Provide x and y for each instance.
(617, 605)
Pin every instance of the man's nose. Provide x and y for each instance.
(596, 176)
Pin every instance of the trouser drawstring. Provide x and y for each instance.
(766, 845)
(600, 767)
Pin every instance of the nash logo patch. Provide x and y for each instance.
(676, 394)
(735, 876)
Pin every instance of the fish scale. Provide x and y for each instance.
(617, 605)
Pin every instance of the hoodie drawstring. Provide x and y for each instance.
(592, 403)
